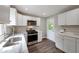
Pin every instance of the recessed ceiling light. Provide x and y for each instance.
(44, 14)
(26, 9)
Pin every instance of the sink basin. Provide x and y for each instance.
(9, 44)
(15, 39)
(12, 41)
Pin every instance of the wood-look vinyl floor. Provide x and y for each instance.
(46, 46)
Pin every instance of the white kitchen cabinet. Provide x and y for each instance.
(72, 17)
(69, 18)
(38, 21)
(4, 14)
(31, 18)
(25, 18)
(51, 35)
(13, 16)
(39, 36)
(69, 44)
(77, 46)
(60, 42)
(62, 19)
(19, 19)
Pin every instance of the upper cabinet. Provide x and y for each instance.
(69, 18)
(72, 17)
(4, 14)
(62, 19)
(13, 16)
(19, 19)
(38, 21)
(25, 19)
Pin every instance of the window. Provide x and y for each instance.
(1, 32)
(50, 26)
(1, 29)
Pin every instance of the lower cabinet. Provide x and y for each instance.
(39, 36)
(77, 46)
(69, 44)
(60, 42)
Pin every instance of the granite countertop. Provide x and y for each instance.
(70, 34)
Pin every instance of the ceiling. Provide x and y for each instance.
(43, 10)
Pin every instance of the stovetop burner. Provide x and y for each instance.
(31, 31)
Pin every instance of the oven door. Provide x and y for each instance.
(32, 37)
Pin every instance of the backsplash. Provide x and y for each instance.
(22, 29)
(71, 28)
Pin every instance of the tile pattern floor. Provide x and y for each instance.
(46, 46)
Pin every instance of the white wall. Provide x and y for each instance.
(20, 29)
(43, 27)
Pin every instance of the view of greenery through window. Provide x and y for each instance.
(50, 26)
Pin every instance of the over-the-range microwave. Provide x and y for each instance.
(31, 23)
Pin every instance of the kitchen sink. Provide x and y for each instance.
(9, 44)
(12, 41)
(15, 39)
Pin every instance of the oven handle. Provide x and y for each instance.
(32, 34)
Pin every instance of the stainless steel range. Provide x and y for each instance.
(32, 36)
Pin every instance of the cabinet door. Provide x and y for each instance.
(69, 44)
(77, 11)
(39, 36)
(25, 20)
(72, 17)
(4, 14)
(38, 21)
(20, 19)
(77, 45)
(60, 42)
(30, 18)
(62, 19)
(13, 13)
